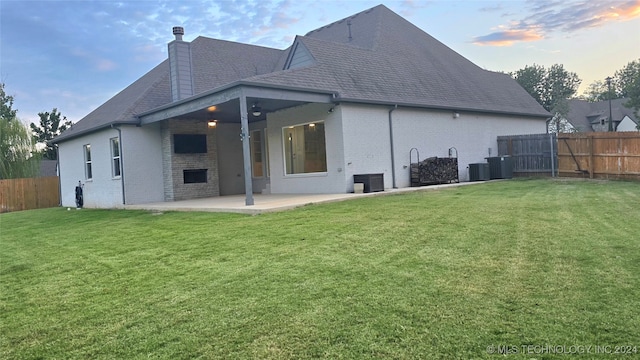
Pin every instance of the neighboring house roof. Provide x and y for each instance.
(584, 114)
(48, 168)
(374, 56)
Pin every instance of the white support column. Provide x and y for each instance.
(246, 149)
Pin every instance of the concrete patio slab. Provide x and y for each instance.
(271, 202)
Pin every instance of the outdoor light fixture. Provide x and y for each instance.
(456, 115)
(212, 108)
(256, 110)
(212, 123)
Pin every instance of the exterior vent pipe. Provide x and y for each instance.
(178, 31)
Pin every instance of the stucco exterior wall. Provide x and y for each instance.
(433, 132)
(103, 190)
(358, 142)
(142, 164)
(365, 131)
(334, 180)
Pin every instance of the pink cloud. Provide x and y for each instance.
(569, 16)
(508, 37)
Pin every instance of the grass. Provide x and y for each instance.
(439, 275)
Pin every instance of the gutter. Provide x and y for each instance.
(442, 107)
(121, 161)
(236, 84)
(393, 162)
(66, 137)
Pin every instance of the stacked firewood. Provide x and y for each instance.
(434, 170)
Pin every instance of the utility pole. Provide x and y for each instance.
(609, 96)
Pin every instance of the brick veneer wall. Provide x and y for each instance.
(174, 164)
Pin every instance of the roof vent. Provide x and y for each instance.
(178, 31)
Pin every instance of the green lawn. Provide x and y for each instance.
(432, 275)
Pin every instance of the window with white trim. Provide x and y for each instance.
(88, 175)
(115, 157)
(304, 148)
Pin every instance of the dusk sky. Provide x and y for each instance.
(75, 55)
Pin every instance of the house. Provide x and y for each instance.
(352, 97)
(584, 116)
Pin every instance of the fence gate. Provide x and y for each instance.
(533, 155)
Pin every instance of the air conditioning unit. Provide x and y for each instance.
(479, 172)
(500, 167)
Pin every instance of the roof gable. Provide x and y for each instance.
(299, 57)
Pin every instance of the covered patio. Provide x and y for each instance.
(231, 104)
(271, 202)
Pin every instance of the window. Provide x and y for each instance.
(87, 162)
(115, 157)
(305, 150)
(190, 144)
(257, 160)
(195, 176)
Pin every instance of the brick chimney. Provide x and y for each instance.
(180, 64)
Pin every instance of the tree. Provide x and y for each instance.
(50, 127)
(599, 91)
(623, 83)
(16, 148)
(6, 106)
(628, 80)
(550, 87)
(16, 151)
(531, 78)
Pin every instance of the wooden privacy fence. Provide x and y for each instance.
(611, 155)
(533, 155)
(31, 193)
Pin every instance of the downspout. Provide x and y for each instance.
(121, 162)
(393, 161)
(546, 123)
(59, 172)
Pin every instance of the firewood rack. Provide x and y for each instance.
(433, 170)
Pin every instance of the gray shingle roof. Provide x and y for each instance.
(390, 60)
(219, 62)
(582, 114)
(387, 60)
(145, 93)
(214, 63)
